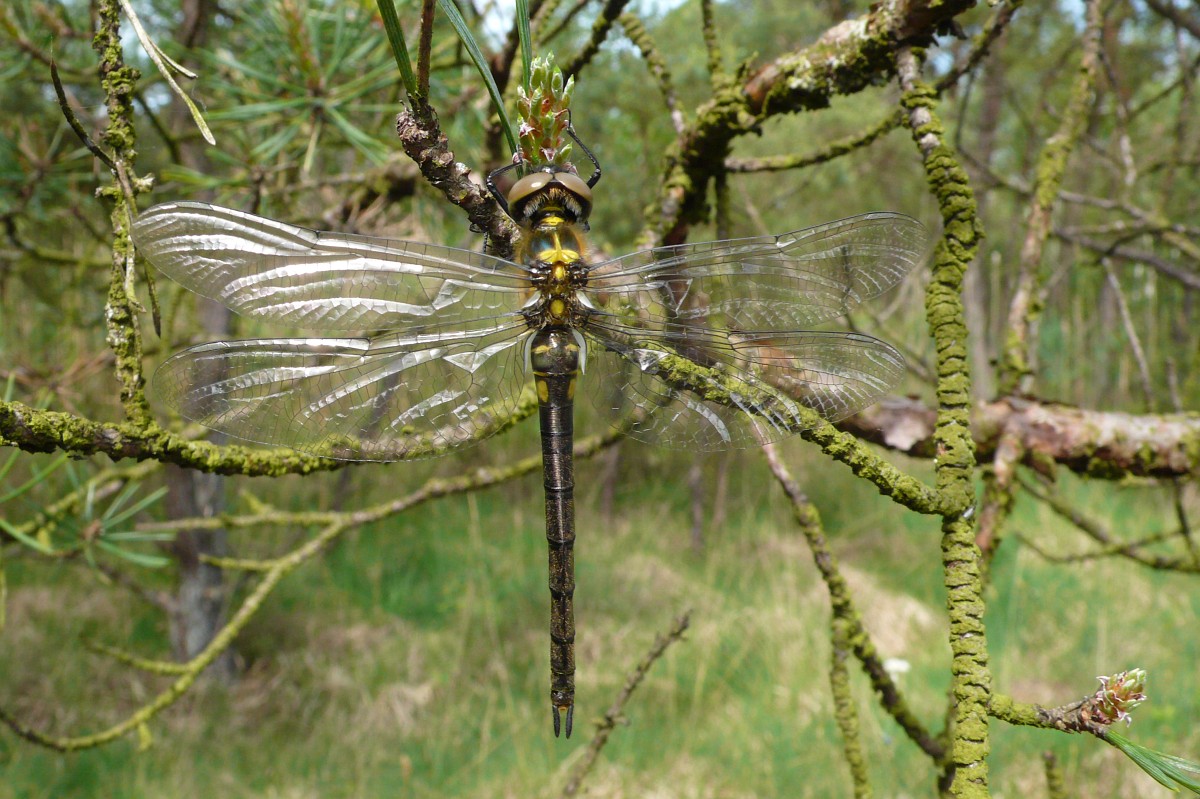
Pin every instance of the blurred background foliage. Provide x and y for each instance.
(410, 660)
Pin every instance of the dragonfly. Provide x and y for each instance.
(425, 349)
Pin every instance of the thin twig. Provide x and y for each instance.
(545, 36)
(614, 715)
(657, 65)
(1135, 342)
(425, 47)
(1133, 550)
(600, 28)
(73, 120)
(809, 521)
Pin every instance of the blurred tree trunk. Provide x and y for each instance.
(198, 610)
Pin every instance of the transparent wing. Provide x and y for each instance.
(393, 396)
(749, 388)
(323, 281)
(786, 282)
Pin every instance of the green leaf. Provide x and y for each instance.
(138, 536)
(271, 147)
(165, 66)
(38, 477)
(391, 24)
(114, 518)
(28, 541)
(526, 39)
(481, 66)
(140, 558)
(1167, 770)
(119, 500)
(8, 464)
(358, 138)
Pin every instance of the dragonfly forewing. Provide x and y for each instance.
(320, 281)
(787, 282)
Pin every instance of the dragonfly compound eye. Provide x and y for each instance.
(527, 187)
(563, 191)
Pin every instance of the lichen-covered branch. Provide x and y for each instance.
(712, 46)
(980, 46)
(1016, 366)
(600, 28)
(846, 59)
(1102, 444)
(422, 138)
(1113, 701)
(714, 386)
(120, 312)
(843, 708)
(35, 430)
(809, 521)
(966, 766)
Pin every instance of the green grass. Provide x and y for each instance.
(412, 659)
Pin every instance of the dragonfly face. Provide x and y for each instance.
(696, 346)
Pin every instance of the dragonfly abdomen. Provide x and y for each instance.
(554, 358)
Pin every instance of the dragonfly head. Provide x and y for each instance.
(550, 191)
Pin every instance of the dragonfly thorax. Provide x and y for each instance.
(553, 252)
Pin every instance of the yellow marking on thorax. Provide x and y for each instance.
(548, 237)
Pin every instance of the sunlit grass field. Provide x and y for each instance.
(412, 660)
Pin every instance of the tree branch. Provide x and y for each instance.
(846, 59)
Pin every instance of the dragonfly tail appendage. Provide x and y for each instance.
(569, 710)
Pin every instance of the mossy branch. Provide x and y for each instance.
(843, 708)
(600, 29)
(809, 521)
(966, 768)
(980, 46)
(846, 59)
(1016, 368)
